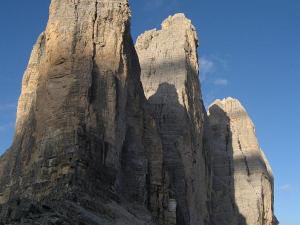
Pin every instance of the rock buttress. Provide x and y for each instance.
(242, 186)
(169, 64)
(84, 145)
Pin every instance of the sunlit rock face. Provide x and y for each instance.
(91, 149)
(242, 186)
(85, 149)
(169, 64)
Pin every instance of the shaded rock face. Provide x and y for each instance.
(91, 149)
(83, 133)
(169, 65)
(242, 186)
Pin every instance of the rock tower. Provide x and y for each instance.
(242, 186)
(85, 149)
(170, 77)
(112, 133)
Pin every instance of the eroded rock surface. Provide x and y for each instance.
(169, 64)
(242, 187)
(85, 145)
(91, 149)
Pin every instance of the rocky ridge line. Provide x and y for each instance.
(169, 65)
(243, 186)
(112, 134)
(86, 151)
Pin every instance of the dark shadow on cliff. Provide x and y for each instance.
(224, 209)
(171, 119)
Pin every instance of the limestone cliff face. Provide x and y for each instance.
(169, 65)
(242, 187)
(84, 140)
(91, 149)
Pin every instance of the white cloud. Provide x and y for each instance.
(212, 65)
(221, 82)
(207, 66)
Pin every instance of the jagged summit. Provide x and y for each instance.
(227, 99)
(235, 110)
(178, 39)
(86, 150)
(242, 188)
(230, 105)
(169, 75)
(109, 133)
(178, 19)
(177, 25)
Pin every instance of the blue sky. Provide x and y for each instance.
(249, 50)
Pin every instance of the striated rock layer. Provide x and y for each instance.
(85, 150)
(91, 149)
(169, 64)
(242, 186)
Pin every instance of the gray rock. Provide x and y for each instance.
(93, 148)
(169, 64)
(83, 132)
(242, 187)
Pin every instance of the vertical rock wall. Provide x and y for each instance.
(242, 187)
(169, 64)
(90, 148)
(82, 126)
